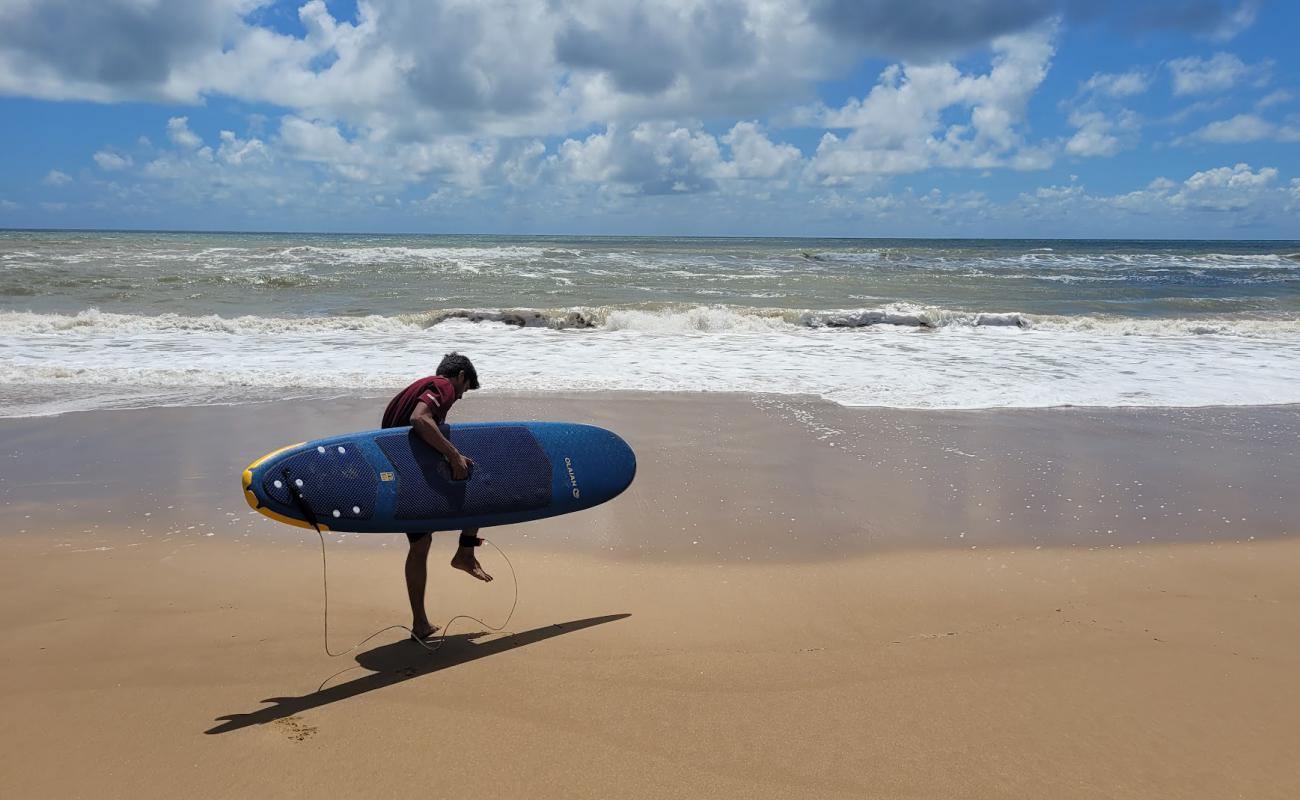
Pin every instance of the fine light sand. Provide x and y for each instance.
(793, 599)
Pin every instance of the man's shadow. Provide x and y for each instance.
(402, 661)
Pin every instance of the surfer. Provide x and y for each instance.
(424, 405)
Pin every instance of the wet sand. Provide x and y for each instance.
(792, 599)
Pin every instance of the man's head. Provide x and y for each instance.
(458, 369)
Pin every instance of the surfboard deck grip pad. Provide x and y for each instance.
(331, 481)
(511, 473)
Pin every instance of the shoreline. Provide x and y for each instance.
(287, 394)
(725, 477)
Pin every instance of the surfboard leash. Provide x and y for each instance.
(442, 635)
(303, 506)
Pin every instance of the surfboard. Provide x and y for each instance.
(389, 480)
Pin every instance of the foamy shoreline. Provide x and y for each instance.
(895, 366)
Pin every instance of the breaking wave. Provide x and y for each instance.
(661, 320)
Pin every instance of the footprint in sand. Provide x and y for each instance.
(294, 729)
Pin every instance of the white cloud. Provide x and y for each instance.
(111, 162)
(1246, 128)
(1210, 202)
(898, 127)
(523, 166)
(1124, 84)
(8, 205)
(410, 68)
(376, 159)
(753, 155)
(1275, 98)
(1219, 73)
(1104, 127)
(1224, 188)
(234, 150)
(650, 158)
(1100, 134)
(56, 178)
(178, 130)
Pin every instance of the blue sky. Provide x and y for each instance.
(1035, 118)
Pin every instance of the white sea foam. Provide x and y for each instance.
(986, 360)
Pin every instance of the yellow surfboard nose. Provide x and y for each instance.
(251, 498)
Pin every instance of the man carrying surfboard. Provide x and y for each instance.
(424, 405)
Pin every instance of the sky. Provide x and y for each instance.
(871, 118)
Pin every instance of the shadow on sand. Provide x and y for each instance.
(401, 661)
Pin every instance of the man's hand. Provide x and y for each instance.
(460, 466)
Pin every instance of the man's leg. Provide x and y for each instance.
(417, 574)
(464, 558)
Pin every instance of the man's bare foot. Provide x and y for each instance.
(465, 560)
(423, 632)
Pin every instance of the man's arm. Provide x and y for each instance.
(424, 425)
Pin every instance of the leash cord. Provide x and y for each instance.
(442, 636)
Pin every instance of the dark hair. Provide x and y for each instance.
(453, 364)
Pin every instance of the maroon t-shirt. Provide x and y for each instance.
(435, 391)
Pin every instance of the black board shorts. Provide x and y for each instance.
(466, 534)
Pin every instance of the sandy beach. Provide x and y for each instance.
(793, 599)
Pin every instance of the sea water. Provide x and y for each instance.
(129, 319)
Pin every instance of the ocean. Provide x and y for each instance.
(92, 320)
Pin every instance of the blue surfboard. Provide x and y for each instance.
(389, 480)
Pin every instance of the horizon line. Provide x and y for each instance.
(217, 231)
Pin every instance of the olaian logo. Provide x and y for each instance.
(573, 479)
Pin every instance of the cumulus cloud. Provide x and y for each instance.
(1099, 134)
(1224, 188)
(1213, 191)
(665, 158)
(234, 150)
(1218, 73)
(374, 159)
(522, 68)
(56, 178)
(1213, 200)
(178, 130)
(1245, 128)
(408, 67)
(111, 162)
(899, 126)
(644, 50)
(1104, 127)
(110, 49)
(753, 155)
(459, 98)
(649, 158)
